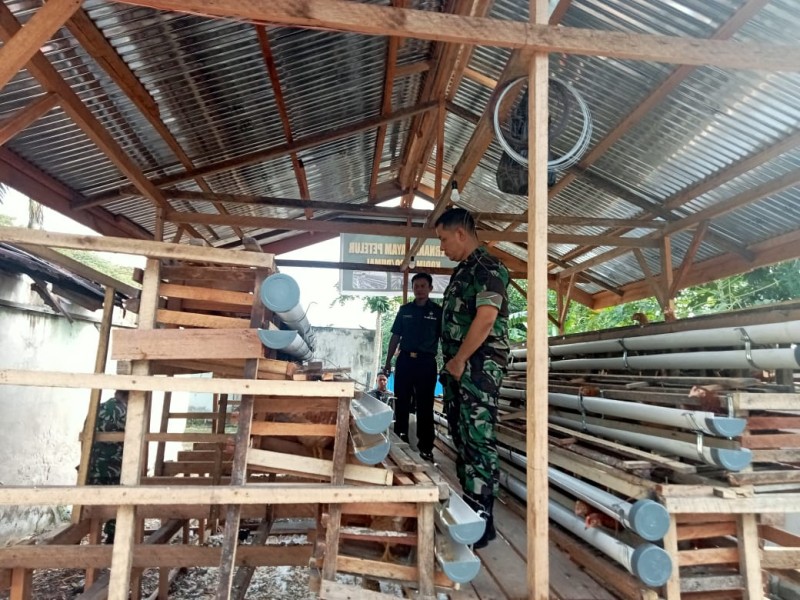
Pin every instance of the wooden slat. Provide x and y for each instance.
(317, 467)
(180, 555)
(190, 319)
(297, 429)
(192, 292)
(282, 388)
(150, 249)
(175, 343)
(708, 556)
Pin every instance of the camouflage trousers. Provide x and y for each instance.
(471, 409)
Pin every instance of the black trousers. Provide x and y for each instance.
(415, 378)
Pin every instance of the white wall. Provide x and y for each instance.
(347, 348)
(40, 425)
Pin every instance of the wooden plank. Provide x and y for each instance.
(136, 425)
(297, 429)
(191, 292)
(24, 44)
(383, 20)
(294, 405)
(299, 389)
(382, 570)
(21, 584)
(780, 558)
(766, 401)
(672, 589)
(772, 422)
(709, 530)
(331, 590)
(425, 551)
(178, 555)
(317, 466)
(749, 556)
(217, 275)
(708, 556)
(536, 447)
(150, 249)
(770, 441)
(190, 319)
(160, 344)
(338, 473)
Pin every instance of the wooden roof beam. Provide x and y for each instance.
(26, 41)
(26, 116)
(99, 48)
(47, 76)
(369, 19)
(269, 61)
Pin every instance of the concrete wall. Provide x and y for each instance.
(348, 348)
(40, 425)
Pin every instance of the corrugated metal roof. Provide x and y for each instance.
(213, 91)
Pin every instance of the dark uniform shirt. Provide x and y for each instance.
(105, 461)
(419, 327)
(480, 280)
(382, 396)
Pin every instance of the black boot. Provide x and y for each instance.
(484, 507)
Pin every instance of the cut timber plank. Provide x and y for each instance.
(160, 344)
(296, 429)
(316, 466)
(251, 493)
(189, 292)
(376, 568)
(298, 389)
(708, 556)
(331, 590)
(190, 319)
(150, 249)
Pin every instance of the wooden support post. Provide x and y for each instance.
(135, 428)
(749, 556)
(21, 584)
(87, 437)
(158, 468)
(667, 276)
(672, 589)
(425, 549)
(163, 583)
(337, 478)
(536, 443)
(218, 427)
(239, 469)
(95, 535)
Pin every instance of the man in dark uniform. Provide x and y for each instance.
(416, 330)
(475, 349)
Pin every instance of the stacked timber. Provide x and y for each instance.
(674, 454)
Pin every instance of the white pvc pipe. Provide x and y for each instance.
(646, 518)
(281, 294)
(772, 358)
(729, 458)
(696, 420)
(287, 341)
(768, 333)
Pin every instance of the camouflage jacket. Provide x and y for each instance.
(105, 462)
(480, 280)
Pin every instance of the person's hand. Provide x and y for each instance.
(455, 366)
(387, 368)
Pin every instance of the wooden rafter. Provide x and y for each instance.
(652, 280)
(392, 46)
(11, 126)
(96, 44)
(52, 81)
(25, 43)
(371, 19)
(688, 258)
(280, 102)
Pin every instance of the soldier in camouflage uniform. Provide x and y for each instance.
(105, 461)
(475, 348)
